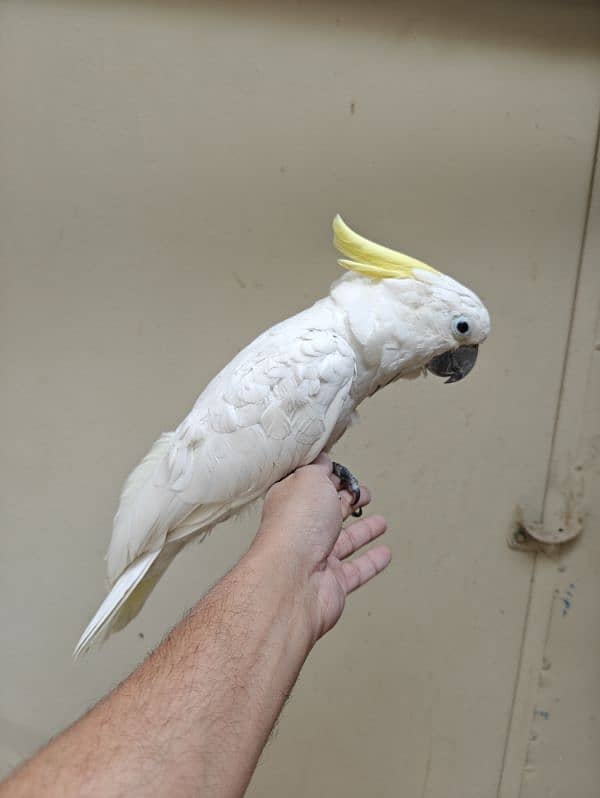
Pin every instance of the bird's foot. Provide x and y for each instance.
(350, 483)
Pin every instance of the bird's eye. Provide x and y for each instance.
(461, 326)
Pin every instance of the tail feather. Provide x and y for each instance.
(138, 512)
(137, 598)
(101, 623)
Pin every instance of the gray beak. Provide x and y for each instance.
(454, 365)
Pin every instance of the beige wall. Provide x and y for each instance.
(554, 735)
(168, 177)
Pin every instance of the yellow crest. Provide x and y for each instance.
(372, 259)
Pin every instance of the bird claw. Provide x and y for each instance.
(350, 483)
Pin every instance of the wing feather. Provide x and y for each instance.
(271, 410)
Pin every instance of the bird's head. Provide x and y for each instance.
(445, 320)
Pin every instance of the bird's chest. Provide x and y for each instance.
(348, 418)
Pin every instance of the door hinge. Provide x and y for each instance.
(536, 536)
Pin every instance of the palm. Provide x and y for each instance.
(310, 500)
(338, 575)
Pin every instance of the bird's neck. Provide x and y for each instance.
(381, 330)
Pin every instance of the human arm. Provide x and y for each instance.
(194, 717)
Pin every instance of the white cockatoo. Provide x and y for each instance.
(286, 397)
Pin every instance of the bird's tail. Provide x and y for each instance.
(126, 597)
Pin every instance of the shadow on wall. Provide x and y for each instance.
(544, 24)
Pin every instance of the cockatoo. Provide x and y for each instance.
(286, 397)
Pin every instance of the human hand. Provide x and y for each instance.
(301, 532)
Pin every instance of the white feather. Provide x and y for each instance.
(287, 396)
(117, 597)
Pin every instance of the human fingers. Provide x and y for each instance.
(356, 535)
(362, 569)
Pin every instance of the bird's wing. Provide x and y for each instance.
(271, 410)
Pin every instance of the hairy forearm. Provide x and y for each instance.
(194, 717)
